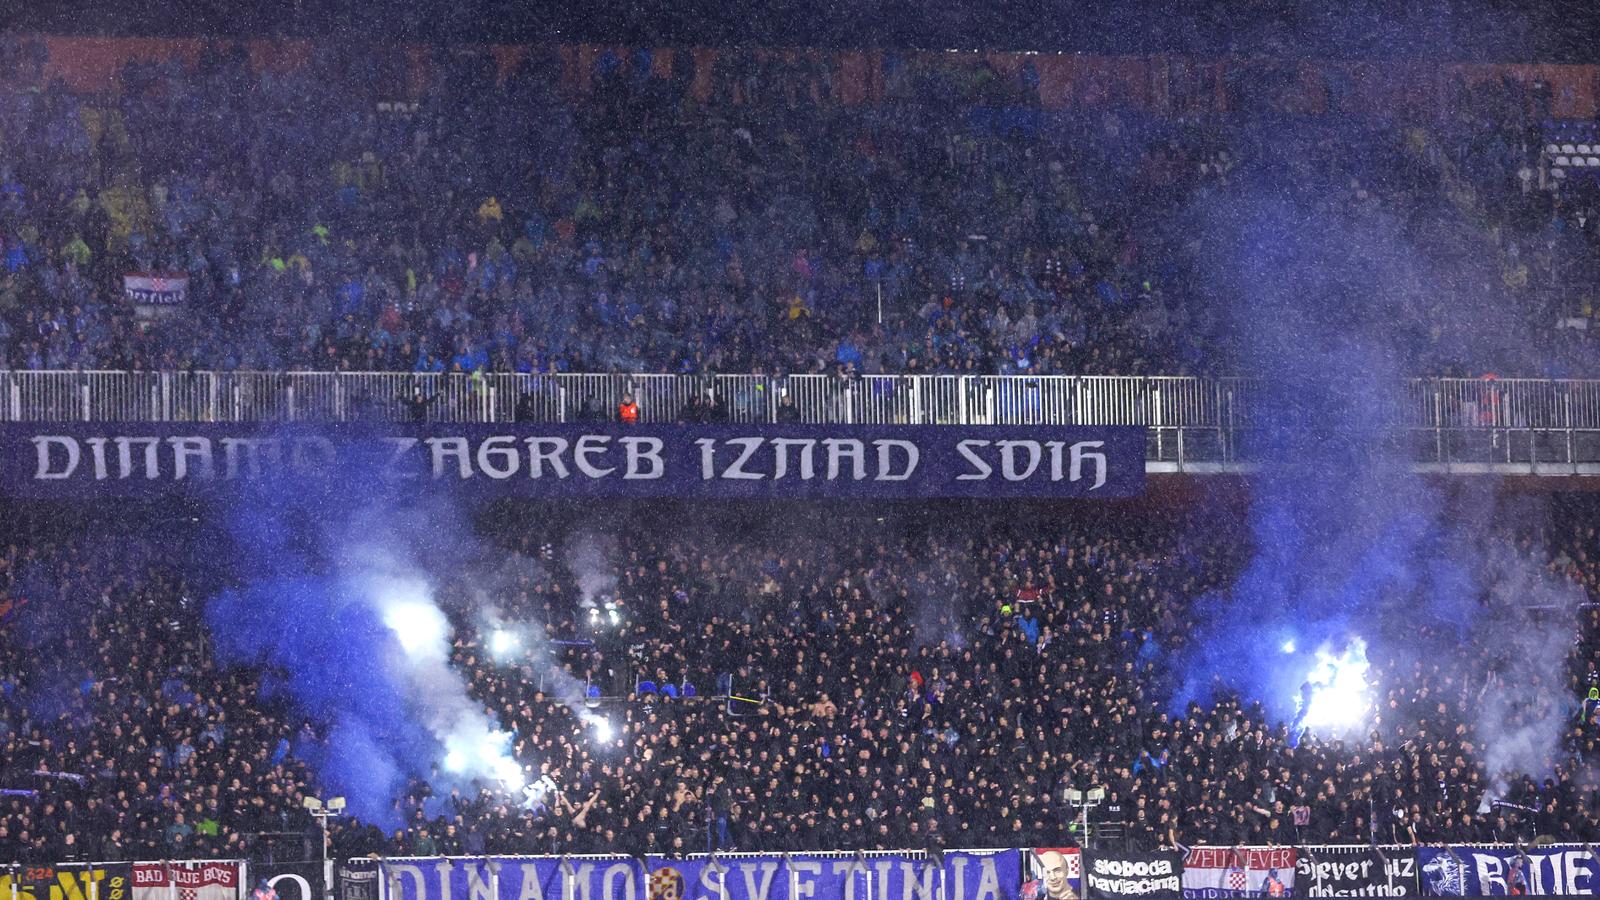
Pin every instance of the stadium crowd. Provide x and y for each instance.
(891, 686)
(902, 685)
(512, 226)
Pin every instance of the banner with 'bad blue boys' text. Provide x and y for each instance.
(962, 876)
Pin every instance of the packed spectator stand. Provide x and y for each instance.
(903, 685)
(504, 222)
(897, 674)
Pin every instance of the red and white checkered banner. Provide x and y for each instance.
(1239, 872)
(187, 881)
(155, 289)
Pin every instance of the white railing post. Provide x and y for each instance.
(1230, 442)
(88, 410)
(1438, 423)
(1566, 402)
(1153, 415)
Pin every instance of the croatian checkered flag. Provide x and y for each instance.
(194, 881)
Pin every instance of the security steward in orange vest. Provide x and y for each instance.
(628, 411)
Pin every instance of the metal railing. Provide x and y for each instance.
(32, 396)
(1451, 422)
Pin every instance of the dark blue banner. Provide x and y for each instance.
(1499, 872)
(48, 460)
(963, 876)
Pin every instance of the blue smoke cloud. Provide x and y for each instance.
(333, 599)
(1349, 543)
(334, 659)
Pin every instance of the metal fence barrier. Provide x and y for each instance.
(1190, 420)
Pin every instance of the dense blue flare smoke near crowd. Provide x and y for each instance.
(983, 665)
(916, 684)
(1351, 546)
(334, 595)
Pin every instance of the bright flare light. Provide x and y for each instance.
(419, 626)
(508, 772)
(1340, 694)
(486, 755)
(503, 643)
(602, 730)
(1288, 646)
(410, 613)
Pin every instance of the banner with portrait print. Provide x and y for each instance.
(1052, 873)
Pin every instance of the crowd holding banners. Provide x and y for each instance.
(1060, 873)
